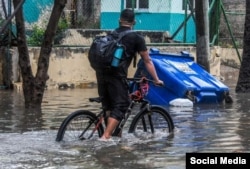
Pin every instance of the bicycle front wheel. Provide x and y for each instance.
(79, 125)
(156, 123)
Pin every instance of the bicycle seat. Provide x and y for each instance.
(95, 99)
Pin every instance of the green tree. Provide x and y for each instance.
(243, 84)
(34, 86)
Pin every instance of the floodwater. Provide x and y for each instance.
(27, 139)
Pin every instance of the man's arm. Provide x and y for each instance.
(150, 67)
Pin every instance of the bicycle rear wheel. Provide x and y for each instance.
(79, 125)
(151, 124)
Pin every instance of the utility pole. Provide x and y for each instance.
(202, 33)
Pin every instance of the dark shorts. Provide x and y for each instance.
(114, 91)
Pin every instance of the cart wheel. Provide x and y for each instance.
(228, 99)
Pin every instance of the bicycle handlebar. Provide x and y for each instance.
(137, 80)
(140, 79)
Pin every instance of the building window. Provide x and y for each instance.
(137, 4)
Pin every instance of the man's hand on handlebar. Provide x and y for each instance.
(159, 83)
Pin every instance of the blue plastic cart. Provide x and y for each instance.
(183, 78)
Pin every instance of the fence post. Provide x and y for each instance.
(202, 31)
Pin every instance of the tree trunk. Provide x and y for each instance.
(243, 84)
(24, 60)
(33, 87)
(202, 33)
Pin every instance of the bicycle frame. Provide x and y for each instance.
(98, 122)
(145, 106)
(85, 123)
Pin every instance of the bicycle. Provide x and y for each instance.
(149, 120)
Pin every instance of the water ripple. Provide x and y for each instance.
(28, 138)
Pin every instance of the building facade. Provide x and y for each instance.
(151, 15)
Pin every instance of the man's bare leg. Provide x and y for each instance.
(112, 123)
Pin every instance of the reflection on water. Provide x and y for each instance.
(56, 105)
(28, 138)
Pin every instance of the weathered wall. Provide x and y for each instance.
(1, 66)
(67, 66)
(235, 15)
(229, 57)
(71, 66)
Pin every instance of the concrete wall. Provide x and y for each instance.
(71, 66)
(67, 66)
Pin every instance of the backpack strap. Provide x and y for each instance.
(134, 61)
(120, 36)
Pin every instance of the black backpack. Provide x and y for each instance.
(102, 49)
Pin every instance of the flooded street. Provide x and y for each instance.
(27, 139)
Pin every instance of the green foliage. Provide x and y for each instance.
(37, 36)
(62, 25)
(37, 33)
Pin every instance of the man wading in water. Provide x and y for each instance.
(112, 85)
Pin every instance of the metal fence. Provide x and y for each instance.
(165, 19)
(234, 21)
